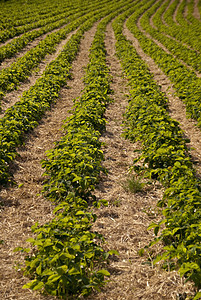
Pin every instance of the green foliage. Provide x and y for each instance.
(185, 81)
(22, 68)
(164, 156)
(66, 256)
(190, 56)
(68, 253)
(26, 113)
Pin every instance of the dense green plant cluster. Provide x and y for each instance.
(71, 264)
(11, 48)
(67, 256)
(15, 31)
(13, 16)
(186, 83)
(15, 45)
(189, 56)
(163, 156)
(22, 68)
(15, 21)
(23, 116)
(185, 32)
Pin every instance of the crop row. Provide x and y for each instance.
(189, 56)
(60, 18)
(22, 68)
(69, 249)
(186, 33)
(163, 29)
(185, 81)
(164, 156)
(24, 115)
(15, 31)
(190, 19)
(37, 19)
(8, 50)
(14, 16)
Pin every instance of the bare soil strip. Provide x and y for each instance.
(22, 206)
(8, 61)
(12, 97)
(177, 108)
(163, 47)
(124, 222)
(196, 12)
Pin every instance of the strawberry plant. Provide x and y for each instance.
(68, 257)
(164, 156)
(185, 81)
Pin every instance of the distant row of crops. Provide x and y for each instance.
(67, 256)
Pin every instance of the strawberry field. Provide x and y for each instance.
(100, 149)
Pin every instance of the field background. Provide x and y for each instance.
(97, 65)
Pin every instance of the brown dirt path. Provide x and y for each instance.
(22, 206)
(12, 97)
(176, 106)
(124, 222)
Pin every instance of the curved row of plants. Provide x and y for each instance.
(190, 13)
(15, 21)
(21, 69)
(179, 12)
(185, 81)
(164, 156)
(185, 32)
(15, 31)
(157, 19)
(17, 44)
(12, 15)
(18, 16)
(26, 113)
(67, 255)
(189, 56)
(17, 24)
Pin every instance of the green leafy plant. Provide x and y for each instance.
(66, 256)
(164, 156)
